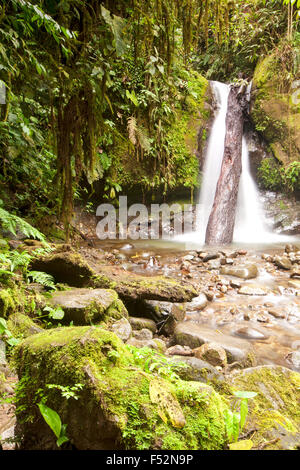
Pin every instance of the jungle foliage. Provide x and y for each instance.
(81, 77)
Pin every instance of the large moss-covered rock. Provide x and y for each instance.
(120, 405)
(67, 267)
(70, 268)
(85, 306)
(274, 112)
(275, 412)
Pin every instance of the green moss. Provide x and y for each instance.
(276, 405)
(113, 381)
(274, 111)
(269, 174)
(3, 245)
(10, 301)
(22, 326)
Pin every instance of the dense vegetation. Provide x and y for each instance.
(102, 94)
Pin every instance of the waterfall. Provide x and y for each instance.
(250, 220)
(213, 159)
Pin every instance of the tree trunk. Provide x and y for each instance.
(220, 225)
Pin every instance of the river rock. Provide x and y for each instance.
(294, 359)
(132, 287)
(250, 333)
(210, 256)
(213, 264)
(295, 283)
(156, 344)
(193, 335)
(241, 271)
(290, 248)
(140, 323)
(178, 350)
(253, 289)
(211, 353)
(274, 412)
(198, 303)
(166, 314)
(143, 334)
(197, 370)
(122, 329)
(277, 312)
(283, 262)
(295, 273)
(83, 306)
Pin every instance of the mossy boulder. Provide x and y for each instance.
(275, 412)
(67, 267)
(85, 306)
(134, 290)
(274, 112)
(70, 268)
(120, 406)
(22, 326)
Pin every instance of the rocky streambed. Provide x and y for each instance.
(229, 318)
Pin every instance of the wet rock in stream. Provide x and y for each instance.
(241, 271)
(193, 335)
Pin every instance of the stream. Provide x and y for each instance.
(268, 316)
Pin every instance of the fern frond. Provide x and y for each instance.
(132, 128)
(41, 278)
(143, 139)
(12, 223)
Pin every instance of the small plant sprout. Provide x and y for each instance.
(235, 420)
(54, 422)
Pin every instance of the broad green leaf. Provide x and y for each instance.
(243, 412)
(117, 26)
(61, 440)
(52, 419)
(13, 341)
(241, 445)
(3, 325)
(236, 426)
(228, 417)
(168, 407)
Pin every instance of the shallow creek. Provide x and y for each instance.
(270, 320)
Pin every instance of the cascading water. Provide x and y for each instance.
(250, 220)
(213, 159)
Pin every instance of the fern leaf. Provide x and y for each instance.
(41, 278)
(132, 128)
(12, 223)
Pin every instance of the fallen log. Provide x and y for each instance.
(220, 225)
